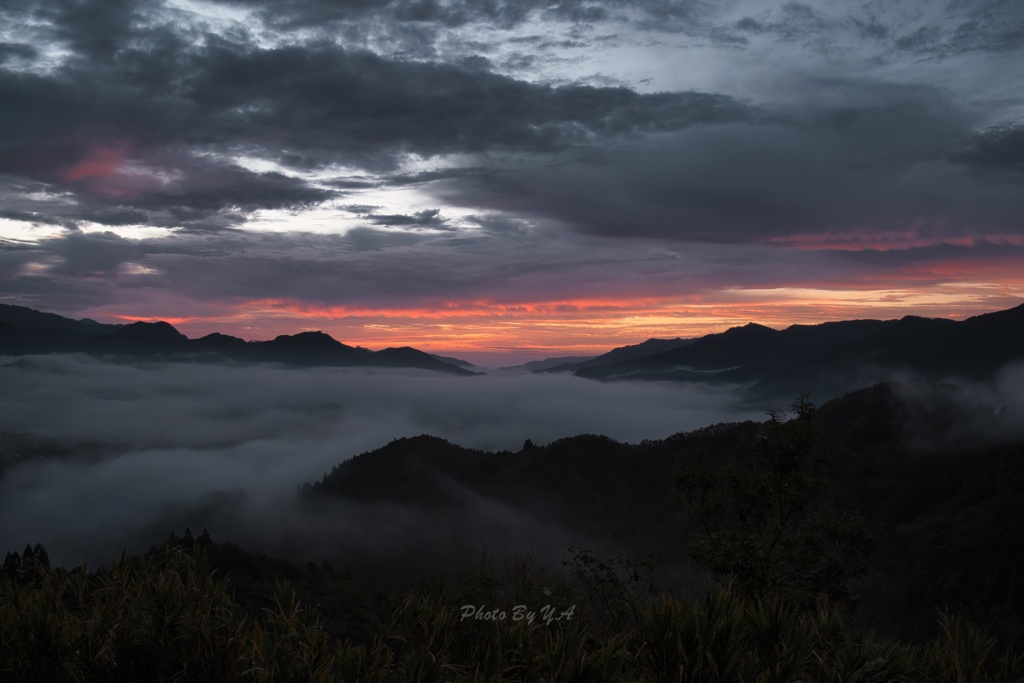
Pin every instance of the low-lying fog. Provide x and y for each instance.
(188, 429)
(178, 433)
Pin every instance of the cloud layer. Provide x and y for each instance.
(183, 432)
(183, 440)
(167, 159)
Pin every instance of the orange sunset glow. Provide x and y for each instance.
(432, 192)
(507, 332)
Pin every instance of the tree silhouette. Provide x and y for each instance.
(763, 520)
(27, 567)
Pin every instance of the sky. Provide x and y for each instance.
(510, 180)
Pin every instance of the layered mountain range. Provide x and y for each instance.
(826, 359)
(27, 331)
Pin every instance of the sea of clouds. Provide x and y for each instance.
(180, 431)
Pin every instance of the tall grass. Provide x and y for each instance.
(170, 619)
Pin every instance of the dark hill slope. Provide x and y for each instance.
(440, 503)
(749, 346)
(30, 319)
(622, 354)
(976, 348)
(922, 460)
(832, 358)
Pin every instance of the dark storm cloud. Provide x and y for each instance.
(365, 265)
(169, 89)
(143, 116)
(1000, 148)
(116, 216)
(977, 26)
(158, 96)
(982, 251)
(15, 51)
(13, 256)
(125, 113)
(501, 225)
(887, 30)
(34, 217)
(349, 184)
(51, 293)
(793, 21)
(403, 179)
(326, 104)
(93, 254)
(365, 239)
(504, 259)
(216, 187)
(870, 27)
(96, 256)
(429, 218)
(867, 158)
(500, 13)
(132, 161)
(93, 30)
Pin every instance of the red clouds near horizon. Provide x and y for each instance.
(488, 332)
(419, 189)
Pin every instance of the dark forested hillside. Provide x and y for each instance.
(935, 469)
(585, 489)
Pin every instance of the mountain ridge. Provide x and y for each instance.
(41, 332)
(828, 358)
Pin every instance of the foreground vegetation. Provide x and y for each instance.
(167, 617)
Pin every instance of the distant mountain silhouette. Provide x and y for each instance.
(740, 347)
(408, 357)
(621, 354)
(25, 331)
(453, 361)
(551, 363)
(141, 330)
(30, 319)
(827, 358)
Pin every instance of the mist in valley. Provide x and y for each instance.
(226, 446)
